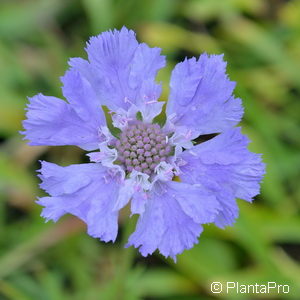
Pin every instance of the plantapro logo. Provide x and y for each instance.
(235, 287)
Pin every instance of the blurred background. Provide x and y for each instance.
(261, 42)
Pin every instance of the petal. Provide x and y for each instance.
(171, 221)
(225, 166)
(106, 156)
(79, 93)
(122, 117)
(145, 64)
(52, 121)
(58, 180)
(87, 191)
(149, 229)
(118, 67)
(163, 172)
(136, 183)
(138, 203)
(229, 210)
(150, 110)
(147, 102)
(198, 203)
(201, 95)
(182, 137)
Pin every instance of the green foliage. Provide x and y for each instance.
(261, 42)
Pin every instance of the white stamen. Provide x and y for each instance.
(151, 101)
(126, 100)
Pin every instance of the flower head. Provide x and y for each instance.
(139, 164)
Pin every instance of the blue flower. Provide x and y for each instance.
(140, 165)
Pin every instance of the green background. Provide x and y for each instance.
(261, 42)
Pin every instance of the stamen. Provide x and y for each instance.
(151, 101)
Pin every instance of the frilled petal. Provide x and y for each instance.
(229, 211)
(118, 68)
(87, 191)
(197, 202)
(201, 95)
(226, 167)
(136, 183)
(138, 203)
(52, 121)
(172, 217)
(146, 101)
(81, 96)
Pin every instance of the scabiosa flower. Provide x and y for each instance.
(173, 184)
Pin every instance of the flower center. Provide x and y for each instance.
(142, 147)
